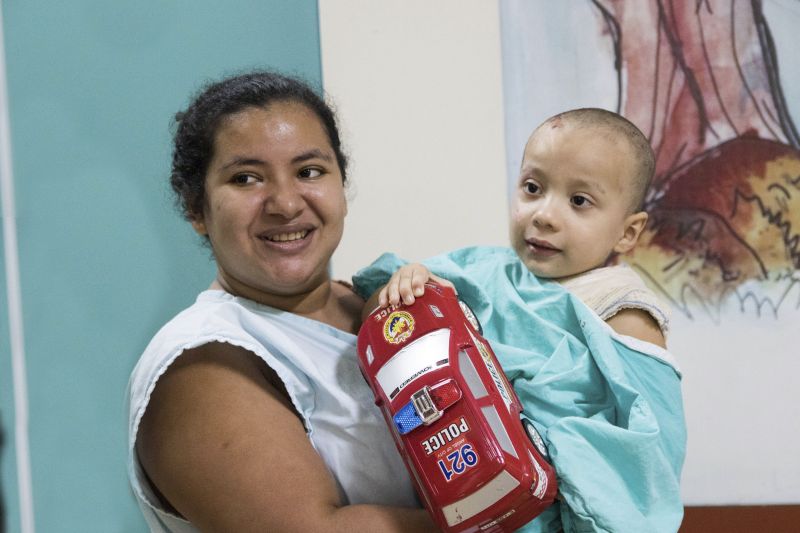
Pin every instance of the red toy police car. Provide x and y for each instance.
(476, 464)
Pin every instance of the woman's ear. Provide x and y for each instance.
(633, 227)
(199, 224)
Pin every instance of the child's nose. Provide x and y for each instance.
(545, 215)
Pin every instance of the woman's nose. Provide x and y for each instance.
(284, 200)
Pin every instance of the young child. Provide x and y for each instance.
(608, 405)
(578, 202)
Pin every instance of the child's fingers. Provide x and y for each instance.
(443, 282)
(383, 297)
(420, 276)
(417, 275)
(388, 293)
(406, 287)
(393, 289)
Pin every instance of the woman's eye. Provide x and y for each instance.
(310, 173)
(580, 201)
(531, 187)
(243, 179)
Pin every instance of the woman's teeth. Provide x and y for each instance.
(283, 237)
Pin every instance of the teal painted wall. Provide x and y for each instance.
(7, 472)
(104, 257)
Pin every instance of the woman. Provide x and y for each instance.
(248, 411)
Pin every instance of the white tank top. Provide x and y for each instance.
(318, 366)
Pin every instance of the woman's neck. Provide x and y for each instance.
(329, 302)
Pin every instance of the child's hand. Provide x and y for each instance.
(407, 284)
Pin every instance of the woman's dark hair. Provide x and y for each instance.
(193, 143)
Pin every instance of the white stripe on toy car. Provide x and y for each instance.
(412, 362)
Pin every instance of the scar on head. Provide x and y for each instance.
(556, 122)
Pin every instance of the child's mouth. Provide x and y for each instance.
(541, 248)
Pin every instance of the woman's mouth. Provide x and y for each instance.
(288, 237)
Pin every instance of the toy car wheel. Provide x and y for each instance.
(470, 316)
(536, 439)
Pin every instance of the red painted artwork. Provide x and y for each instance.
(701, 80)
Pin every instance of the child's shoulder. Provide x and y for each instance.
(609, 290)
(606, 278)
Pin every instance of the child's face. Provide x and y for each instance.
(571, 205)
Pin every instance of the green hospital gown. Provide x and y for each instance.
(608, 406)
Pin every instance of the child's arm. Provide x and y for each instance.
(405, 285)
(639, 324)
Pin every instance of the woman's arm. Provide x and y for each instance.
(228, 452)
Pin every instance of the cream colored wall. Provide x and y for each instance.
(418, 88)
(418, 85)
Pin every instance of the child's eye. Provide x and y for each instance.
(243, 179)
(531, 187)
(310, 172)
(580, 201)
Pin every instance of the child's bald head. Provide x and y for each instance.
(617, 127)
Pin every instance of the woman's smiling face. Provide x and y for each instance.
(275, 202)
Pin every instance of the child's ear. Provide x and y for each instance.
(633, 227)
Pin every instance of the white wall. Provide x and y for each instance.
(743, 417)
(418, 88)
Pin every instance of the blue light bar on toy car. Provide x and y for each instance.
(426, 406)
(407, 419)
